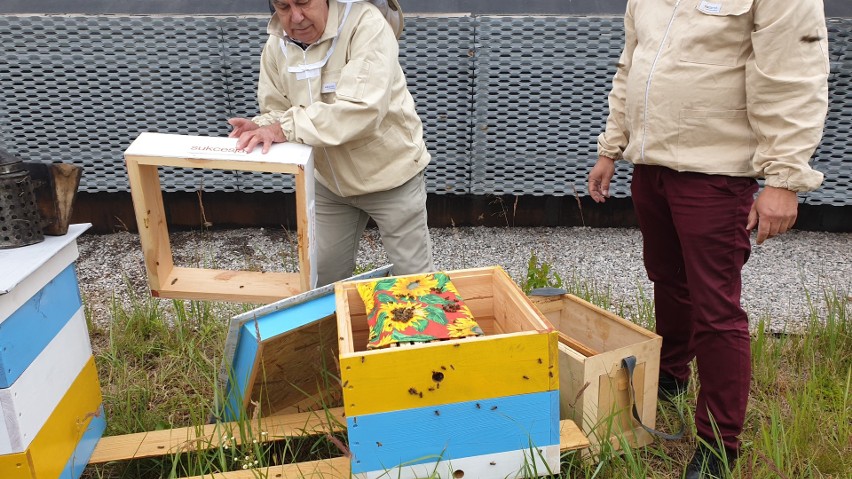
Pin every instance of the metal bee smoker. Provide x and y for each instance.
(20, 221)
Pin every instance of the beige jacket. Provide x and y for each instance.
(355, 110)
(730, 87)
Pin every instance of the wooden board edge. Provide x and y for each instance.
(612, 316)
(177, 440)
(570, 439)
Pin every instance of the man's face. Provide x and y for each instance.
(303, 20)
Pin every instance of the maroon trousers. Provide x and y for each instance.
(695, 246)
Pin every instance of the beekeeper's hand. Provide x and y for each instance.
(249, 134)
(599, 178)
(773, 213)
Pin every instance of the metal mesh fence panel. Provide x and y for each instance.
(832, 155)
(80, 89)
(243, 39)
(437, 57)
(540, 102)
(504, 111)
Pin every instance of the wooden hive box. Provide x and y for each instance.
(282, 358)
(50, 397)
(151, 150)
(593, 382)
(483, 407)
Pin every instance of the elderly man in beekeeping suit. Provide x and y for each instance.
(330, 78)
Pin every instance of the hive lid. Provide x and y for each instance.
(19, 263)
(283, 356)
(167, 145)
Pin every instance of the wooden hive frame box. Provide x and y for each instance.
(151, 150)
(593, 382)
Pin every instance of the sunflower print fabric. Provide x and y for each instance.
(419, 308)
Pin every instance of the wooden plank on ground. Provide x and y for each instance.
(159, 443)
(337, 468)
(570, 438)
(171, 441)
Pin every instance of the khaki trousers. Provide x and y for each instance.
(400, 214)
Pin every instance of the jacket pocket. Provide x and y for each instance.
(715, 142)
(716, 32)
(386, 159)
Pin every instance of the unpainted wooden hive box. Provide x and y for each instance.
(593, 381)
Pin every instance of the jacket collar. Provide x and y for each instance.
(331, 25)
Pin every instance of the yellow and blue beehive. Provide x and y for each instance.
(50, 397)
(482, 407)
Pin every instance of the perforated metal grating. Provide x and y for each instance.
(504, 112)
(242, 40)
(540, 102)
(436, 54)
(80, 89)
(832, 156)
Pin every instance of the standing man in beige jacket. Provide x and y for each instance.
(708, 96)
(330, 78)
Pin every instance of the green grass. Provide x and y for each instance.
(158, 361)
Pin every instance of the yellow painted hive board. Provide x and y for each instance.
(52, 447)
(16, 466)
(449, 372)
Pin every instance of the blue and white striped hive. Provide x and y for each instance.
(50, 397)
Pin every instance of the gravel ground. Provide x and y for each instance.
(778, 279)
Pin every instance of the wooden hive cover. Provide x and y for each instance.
(283, 357)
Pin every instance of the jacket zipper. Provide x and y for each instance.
(648, 83)
(311, 98)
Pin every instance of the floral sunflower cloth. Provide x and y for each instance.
(418, 308)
